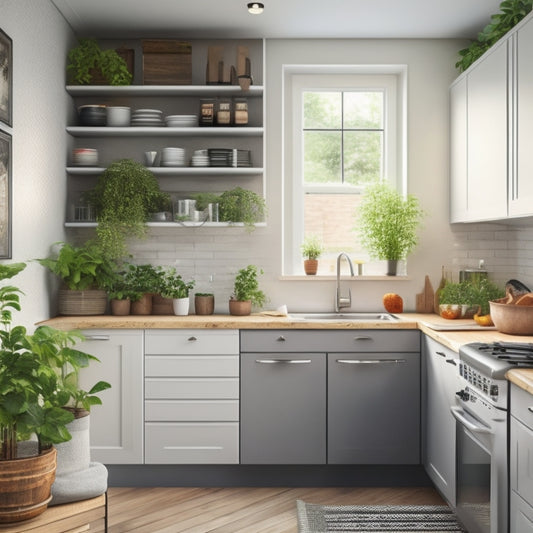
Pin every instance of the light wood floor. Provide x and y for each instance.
(238, 510)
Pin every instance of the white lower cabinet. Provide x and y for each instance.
(521, 461)
(191, 397)
(116, 425)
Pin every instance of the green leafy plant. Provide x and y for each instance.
(312, 247)
(173, 285)
(80, 267)
(144, 279)
(203, 199)
(387, 222)
(125, 195)
(88, 56)
(120, 287)
(512, 12)
(241, 205)
(471, 293)
(246, 286)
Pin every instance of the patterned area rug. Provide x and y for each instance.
(375, 519)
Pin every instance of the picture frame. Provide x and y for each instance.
(5, 195)
(6, 79)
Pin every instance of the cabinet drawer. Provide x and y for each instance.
(191, 388)
(192, 365)
(191, 443)
(522, 405)
(191, 410)
(361, 340)
(521, 463)
(191, 341)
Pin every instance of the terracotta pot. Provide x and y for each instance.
(120, 307)
(25, 486)
(204, 305)
(311, 266)
(142, 306)
(238, 308)
(77, 303)
(161, 306)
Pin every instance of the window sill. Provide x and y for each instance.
(344, 278)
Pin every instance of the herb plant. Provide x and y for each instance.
(144, 279)
(173, 285)
(246, 286)
(124, 197)
(387, 222)
(242, 205)
(312, 248)
(471, 293)
(512, 12)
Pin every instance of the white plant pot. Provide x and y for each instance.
(181, 306)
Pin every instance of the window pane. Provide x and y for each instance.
(322, 157)
(363, 110)
(322, 110)
(363, 157)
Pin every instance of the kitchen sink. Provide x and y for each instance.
(344, 317)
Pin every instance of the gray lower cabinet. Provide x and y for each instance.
(338, 397)
(521, 461)
(283, 408)
(191, 397)
(440, 368)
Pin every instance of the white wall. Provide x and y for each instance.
(40, 40)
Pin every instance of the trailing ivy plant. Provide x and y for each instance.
(512, 12)
(125, 195)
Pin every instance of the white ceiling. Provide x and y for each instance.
(281, 18)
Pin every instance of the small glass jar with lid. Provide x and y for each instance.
(224, 112)
(207, 112)
(241, 112)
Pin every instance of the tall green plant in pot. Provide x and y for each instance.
(124, 197)
(246, 291)
(387, 224)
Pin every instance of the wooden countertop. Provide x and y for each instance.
(433, 325)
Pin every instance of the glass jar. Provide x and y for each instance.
(207, 112)
(224, 113)
(241, 112)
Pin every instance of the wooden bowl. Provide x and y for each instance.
(512, 319)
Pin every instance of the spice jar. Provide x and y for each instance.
(224, 113)
(241, 112)
(207, 112)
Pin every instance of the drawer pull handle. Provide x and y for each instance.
(97, 337)
(281, 338)
(363, 338)
(370, 361)
(283, 361)
(451, 362)
(530, 409)
(442, 354)
(192, 339)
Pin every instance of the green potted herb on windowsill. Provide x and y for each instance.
(311, 250)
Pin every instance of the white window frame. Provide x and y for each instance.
(300, 78)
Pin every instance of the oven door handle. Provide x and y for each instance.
(458, 414)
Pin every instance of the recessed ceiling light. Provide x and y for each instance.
(256, 8)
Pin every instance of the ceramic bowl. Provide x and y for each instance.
(118, 116)
(512, 319)
(92, 115)
(87, 157)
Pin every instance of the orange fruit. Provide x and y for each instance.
(393, 303)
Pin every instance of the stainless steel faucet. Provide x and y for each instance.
(342, 301)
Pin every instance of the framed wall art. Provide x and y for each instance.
(5, 195)
(6, 79)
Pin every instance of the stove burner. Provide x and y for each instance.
(512, 352)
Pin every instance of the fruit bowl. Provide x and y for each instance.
(512, 319)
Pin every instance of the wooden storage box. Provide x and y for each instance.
(167, 62)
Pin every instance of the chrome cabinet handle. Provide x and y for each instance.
(369, 361)
(363, 338)
(442, 354)
(192, 339)
(97, 337)
(451, 362)
(283, 361)
(281, 338)
(530, 409)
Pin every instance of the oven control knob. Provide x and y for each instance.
(463, 395)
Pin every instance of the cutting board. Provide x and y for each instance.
(425, 301)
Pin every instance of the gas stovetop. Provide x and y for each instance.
(494, 359)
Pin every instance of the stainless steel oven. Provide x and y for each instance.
(481, 414)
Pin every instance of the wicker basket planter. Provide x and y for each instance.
(89, 302)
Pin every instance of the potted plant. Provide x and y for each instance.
(204, 303)
(241, 205)
(311, 249)
(387, 224)
(31, 403)
(85, 272)
(145, 280)
(121, 294)
(88, 60)
(173, 286)
(125, 196)
(246, 291)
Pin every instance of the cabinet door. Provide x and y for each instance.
(458, 152)
(116, 425)
(521, 453)
(521, 194)
(283, 408)
(487, 137)
(439, 424)
(374, 408)
(521, 515)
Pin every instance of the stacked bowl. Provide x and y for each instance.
(92, 115)
(181, 121)
(200, 158)
(173, 157)
(147, 118)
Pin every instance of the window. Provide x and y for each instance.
(343, 132)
